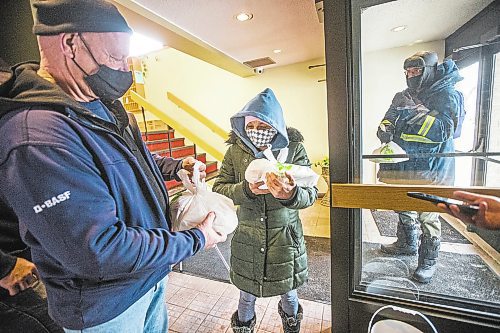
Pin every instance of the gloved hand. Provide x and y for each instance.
(386, 132)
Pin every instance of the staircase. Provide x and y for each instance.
(160, 138)
(164, 143)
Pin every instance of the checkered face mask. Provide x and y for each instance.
(261, 137)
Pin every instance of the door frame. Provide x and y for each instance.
(352, 309)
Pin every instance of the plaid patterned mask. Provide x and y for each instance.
(261, 138)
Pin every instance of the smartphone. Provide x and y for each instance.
(464, 207)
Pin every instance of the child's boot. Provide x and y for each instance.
(242, 327)
(291, 324)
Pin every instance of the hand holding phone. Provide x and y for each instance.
(465, 208)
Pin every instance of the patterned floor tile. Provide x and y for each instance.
(189, 322)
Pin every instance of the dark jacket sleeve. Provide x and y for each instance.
(303, 196)
(168, 166)
(231, 185)
(391, 117)
(81, 228)
(7, 263)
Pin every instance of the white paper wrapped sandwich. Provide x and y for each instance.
(257, 169)
(193, 206)
(390, 148)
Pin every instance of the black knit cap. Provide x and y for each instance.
(53, 17)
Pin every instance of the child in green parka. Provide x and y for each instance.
(268, 253)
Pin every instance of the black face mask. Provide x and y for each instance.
(107, 83)
(425, 80)
(415, 82)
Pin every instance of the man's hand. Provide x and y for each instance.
(188, 164)
(22, 277)
(212, 237)
(487, 217)
(254, 187)
(280, 188)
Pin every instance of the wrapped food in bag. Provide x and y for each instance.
(390, 148)
(257, 169)
(193, 206)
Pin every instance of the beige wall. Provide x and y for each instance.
(382, 77)
(218, 94)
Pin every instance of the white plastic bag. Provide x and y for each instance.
(257, 169)
(390, 148)
(191, 208)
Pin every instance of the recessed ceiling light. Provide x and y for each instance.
(244, 17)
(277, 51)
(398, 28)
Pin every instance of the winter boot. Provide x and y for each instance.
(407, 242)
(242, 327)
(427, 258)
(291, 324)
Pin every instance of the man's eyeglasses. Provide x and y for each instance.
(413, 71)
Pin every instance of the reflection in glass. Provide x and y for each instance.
(493, 169)
(468, 86)
(467, 265)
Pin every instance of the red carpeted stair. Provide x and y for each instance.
(165, 143)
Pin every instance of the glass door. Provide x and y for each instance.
(387, 248)
(493, 167)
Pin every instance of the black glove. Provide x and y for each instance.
(386, 132)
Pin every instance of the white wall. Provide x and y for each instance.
(382, 77)
(219, 94)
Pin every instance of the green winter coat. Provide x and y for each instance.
(268, 253)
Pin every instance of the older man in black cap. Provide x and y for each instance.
(89, 198)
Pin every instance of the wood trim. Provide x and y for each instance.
(393, 197)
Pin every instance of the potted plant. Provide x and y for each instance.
(325, 173)
(324, 164)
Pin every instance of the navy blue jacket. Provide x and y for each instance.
(429, 130)
(85, 203)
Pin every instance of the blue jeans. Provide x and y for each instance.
(148, 314)
(246, 307)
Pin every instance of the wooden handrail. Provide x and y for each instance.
(162, 115)
(198, 116)
(393, 197)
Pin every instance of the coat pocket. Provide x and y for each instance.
(294, 237)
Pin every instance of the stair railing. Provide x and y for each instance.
(198, 116)
(186, 132)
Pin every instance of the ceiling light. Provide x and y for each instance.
(398, 28)
(277, 51)
(244, 17)
(140, 44)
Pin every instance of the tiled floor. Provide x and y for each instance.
(205, 306)
(316, 220)
(200, 305)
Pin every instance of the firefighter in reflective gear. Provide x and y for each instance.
(422, 119)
